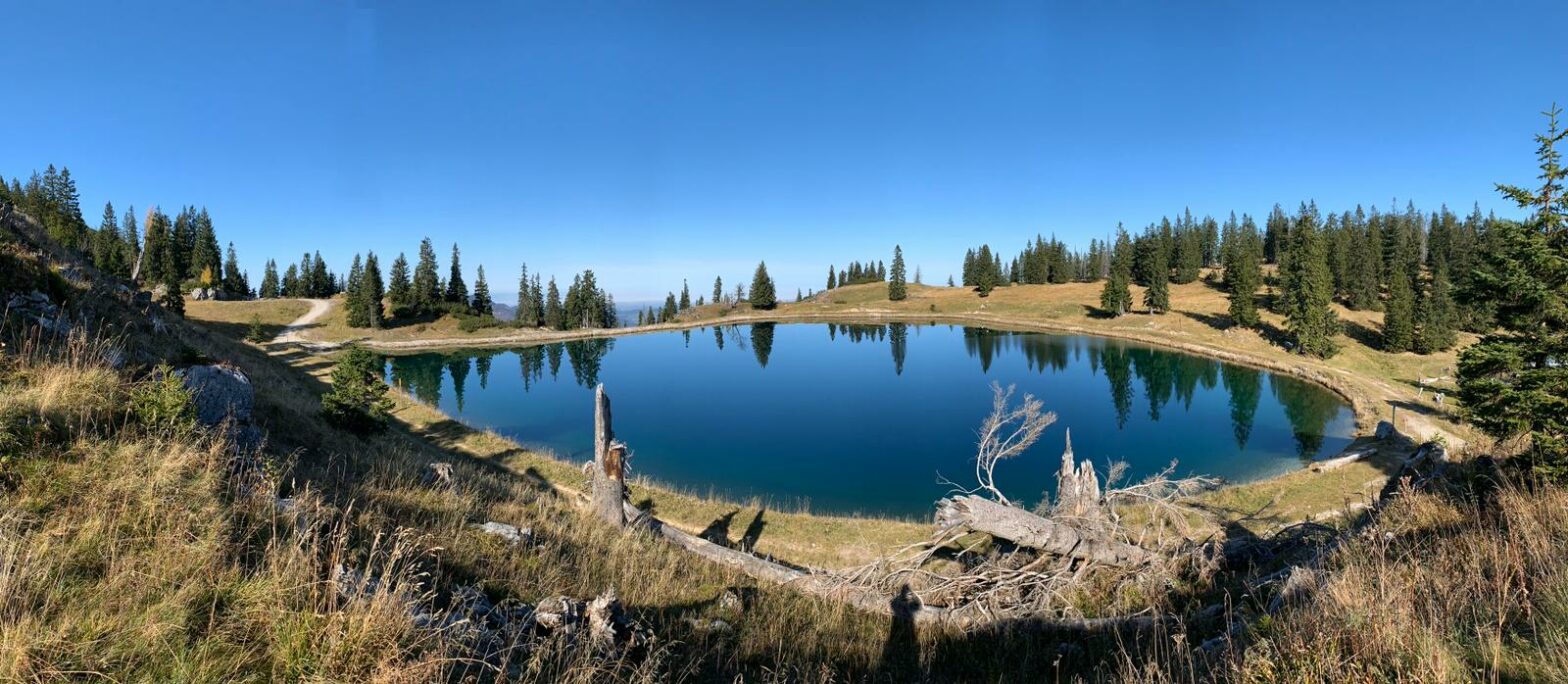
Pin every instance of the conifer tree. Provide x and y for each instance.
(1157, 297)
(132, 240)
(290, 284)
(400, 289)
(1308, 288)
(173, 300)
(832, 277)
(320, 280)
(1243, 274)
(1438, 319)
(355, 306)
(372, 291)
(234, 282)
(1116, 296)
(685, 302)
(157, 235)
(482, 305)
(762, 295)
(897, 290)
(718, 289)
(269, 281)
(554, 314)
(671, 309)
(987, 271)
(1512, 383)
(427, 282)
(456, 289)
(527, 316)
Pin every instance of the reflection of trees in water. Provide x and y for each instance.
(420, 376)
(686, 335)
(587, 356)
(1245, 387)
(718, 337)
(762, 342)
(898, 339)
(1041, 352)
(861, 332)
(459, 367)
(1309, 410)
(482, 366)
(553, 352)
(1190, 370)
(1158, 373)
(1118, 370)
(531, 362)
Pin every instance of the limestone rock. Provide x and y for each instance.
(219, 393)
(512, 534)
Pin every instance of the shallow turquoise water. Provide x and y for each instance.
(868, 418)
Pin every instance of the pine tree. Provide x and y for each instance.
(762, 296)
(482, 305)
(157, 234)
(1512, 383)
(172, 300)
(132, 240)
(527, 317)
(372, 291)
(832, 277)
(718, 289)
(270, 288)
(204, 248)
(1243, 274)
(427, 282)
(400, 289)
(234, 282)
(897, 290)
(358, 401)
(1438, 318)
(456, 290)
(685, 302)
(290, 284)
(321, 284)
(987, 271)
(1308, 288)
(1157, 297)
(554, 314)
(1116, 296)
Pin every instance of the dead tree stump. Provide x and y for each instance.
(609, 464)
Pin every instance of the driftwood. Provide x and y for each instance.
(609, 465)
(1027, 529)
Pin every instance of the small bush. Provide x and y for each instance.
(162, 405)
(467, 323)
(358, 401)
(256, 333)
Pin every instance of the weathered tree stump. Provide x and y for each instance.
(609, 464)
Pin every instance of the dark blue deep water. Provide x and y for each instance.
(864, 418)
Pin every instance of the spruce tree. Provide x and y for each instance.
(400, 289)
(832, 277)
(762, 296)
(1512, 383)
(1438, 319)
(685, 302)
(355, 306)
(718, 289)
(1116, 296)
(897, 290)
(1399, 317)
(1308, 288)
(269, 281)
(1157, 298)
(427, 282)
(372, 291)
(527, 317)
(456, 290)
(482, 305)
(987, 271)
(554, 314)
(234, 282)
(173, 300)
(320, 280)
(1243, 274)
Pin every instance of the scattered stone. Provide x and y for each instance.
(35, 306)
(734, 600)
(512, 534)
(714, 625)
(219, 393)
(437, 475)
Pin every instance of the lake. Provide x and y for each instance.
(870, 418)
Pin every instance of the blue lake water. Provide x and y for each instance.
(868, 418)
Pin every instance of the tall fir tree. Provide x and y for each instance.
(1243, 275)
(832, 277)
(1308, 288)
(527, 317)
(685, 302)
(762, 294)
(1437, 317)
(482, 304)
(427, 280)
(1514, 382)
(718, 290)
(372, 291)
(1116, 296)
(456, 289)
(897, 290)
(270, 287)
(355, 306)
(234, 282)
(554, 314)
(1157, 297)
(400, 288)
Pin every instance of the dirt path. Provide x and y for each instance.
(318, 308)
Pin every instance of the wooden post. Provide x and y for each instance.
(609, 471)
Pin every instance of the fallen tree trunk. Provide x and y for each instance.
(1027, 529)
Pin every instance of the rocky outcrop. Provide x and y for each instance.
(219, 393)
(36, 307)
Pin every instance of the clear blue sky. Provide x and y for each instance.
(658, 140)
